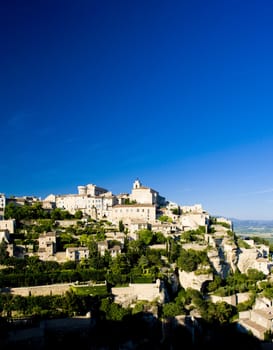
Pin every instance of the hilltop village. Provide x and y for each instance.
(176, 262)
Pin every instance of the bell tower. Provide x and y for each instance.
(137, 184)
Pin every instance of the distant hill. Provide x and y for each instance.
(253, 227)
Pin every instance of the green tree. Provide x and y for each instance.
(56, 214)
(255, 275)
(3, 252)
(121, 226)
(165, 218)
(84, 239)
(189, 260)
(119, 270)
(78, 215)
(66, 240)
(11, 211)
(177, 211)
(171, 310)
(113, 311)
(215, 284)
(159, 238)
(146, 236)
(143, 262)
(138, 307)
(219, 312)
(183, 297)
(268, 292)
(72, 303)
(37, 211)
(136, 249)
(173, 249)
(154, 257)
(65, 215)
(94, 257)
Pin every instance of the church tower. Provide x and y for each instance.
(137, 184)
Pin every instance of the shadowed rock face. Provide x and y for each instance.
(136, 332)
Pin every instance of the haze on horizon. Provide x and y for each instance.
(178, 94)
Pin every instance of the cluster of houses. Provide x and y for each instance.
(142, 205)
(137, 210)
(144, 208)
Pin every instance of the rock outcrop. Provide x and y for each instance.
(193, 280)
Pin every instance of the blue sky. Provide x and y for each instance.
(176, 93)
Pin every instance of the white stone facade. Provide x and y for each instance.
(91, 190)
(193, 221)
(126, 213)
(167, 228)
(99, 206)
(196, 209)
(136, 225)
(7, 225)
(136, 292)
(145, 195)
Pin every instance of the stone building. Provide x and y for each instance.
(7, 225)
(77, 253)
(136, 225)
(25, 200)
(126, 213)
(192, 209)
(146, 195)
(167, 228)
(47, 245)
(92, 200)
(258, 321)
(91, 190)
(115, 251)
(102, 247)
(192, 221)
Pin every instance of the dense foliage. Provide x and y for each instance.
(137, 262)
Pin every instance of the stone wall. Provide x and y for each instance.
(52, 289)
(136, 292)
(258, 321)
(67, 223)
(234, 299)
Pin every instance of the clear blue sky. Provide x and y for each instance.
(176, 93)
